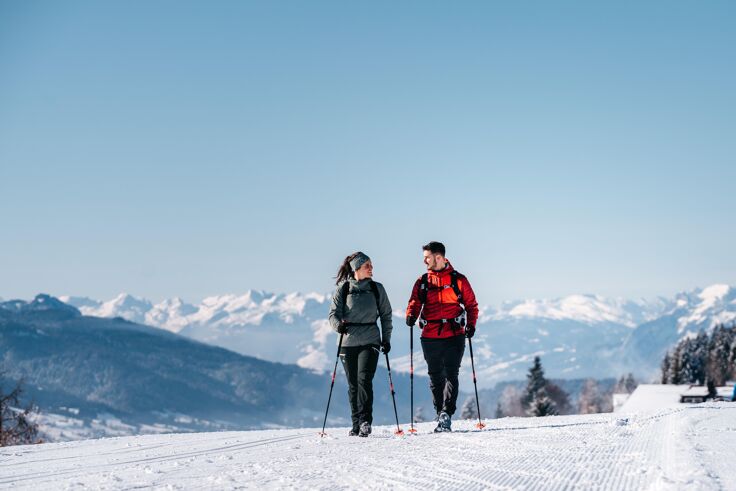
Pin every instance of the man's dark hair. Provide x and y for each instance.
(435, 248)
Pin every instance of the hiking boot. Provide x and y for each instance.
(354, 431)
(444, 423)
(365, 429)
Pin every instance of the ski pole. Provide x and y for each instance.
(337, 358)
(411, 376)
(393, 396)
(480, 424)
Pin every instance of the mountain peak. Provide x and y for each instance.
(42, 302)
(706, 308)
(127, 299)
(715, 292)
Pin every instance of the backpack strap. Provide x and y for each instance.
(344, 290)
(454, 276)
(424, 288)
(374, 289)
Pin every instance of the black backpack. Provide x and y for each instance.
(424, 286)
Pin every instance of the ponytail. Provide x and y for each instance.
(345, 271)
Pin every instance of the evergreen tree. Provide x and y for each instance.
(701, 355)
(732, 361)
(686, 362)
(719, 349)
(731, 365)
(704, 357)
(499, 411)
(665, 367)
(535, 383)
(675, 377)
(694, 354)
(542, 405)
(541, 397)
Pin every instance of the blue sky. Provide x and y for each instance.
(196, 148)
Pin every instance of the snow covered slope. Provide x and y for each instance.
(285, 328)
(682, 448)
(585, 309)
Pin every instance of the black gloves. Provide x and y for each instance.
(385, 347)
(342, 328)
(469, 331)
(411, 320)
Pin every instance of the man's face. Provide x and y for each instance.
(432, 260)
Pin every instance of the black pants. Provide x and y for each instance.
(443, 357)
(360, 364)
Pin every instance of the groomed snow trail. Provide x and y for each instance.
(689, 447)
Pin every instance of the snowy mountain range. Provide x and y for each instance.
(577, 336)
(94, 376)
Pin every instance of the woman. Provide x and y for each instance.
(357, 304)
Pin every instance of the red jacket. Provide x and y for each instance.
(442, 303)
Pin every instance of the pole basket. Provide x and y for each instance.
(413, 431)
(399, 432)
(322, 434)
(480, 425)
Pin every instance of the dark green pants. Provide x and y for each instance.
(360, 364)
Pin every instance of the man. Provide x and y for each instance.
(444, 304)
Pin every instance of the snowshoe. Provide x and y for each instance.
(444, 423)
(365, 429)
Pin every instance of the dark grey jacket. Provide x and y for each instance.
(360, 307)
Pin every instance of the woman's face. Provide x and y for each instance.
(365, 271)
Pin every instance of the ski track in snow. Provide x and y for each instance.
(682, 448)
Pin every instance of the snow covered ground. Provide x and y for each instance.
(673, 448)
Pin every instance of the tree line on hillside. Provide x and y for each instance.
(703, 359)
(542, 397)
